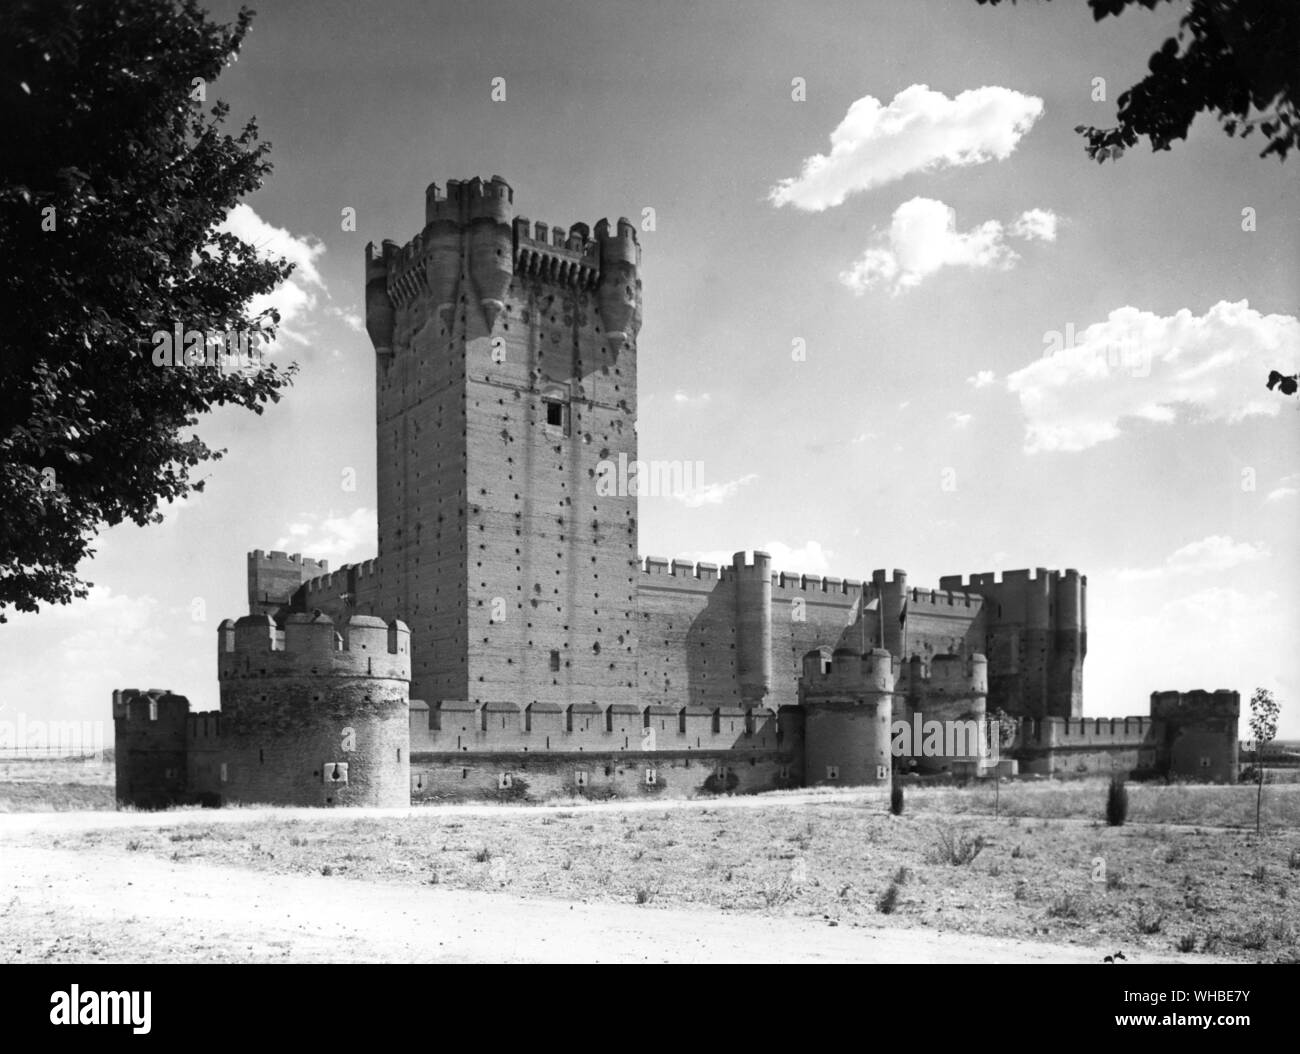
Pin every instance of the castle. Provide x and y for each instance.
(507, 639)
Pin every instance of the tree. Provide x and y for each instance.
(1236, 59)
(1263, 729)
(114, 175)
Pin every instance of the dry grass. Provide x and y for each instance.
(845, 861)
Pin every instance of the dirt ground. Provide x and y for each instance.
(800, 877)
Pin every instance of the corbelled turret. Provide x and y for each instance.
(491, 243)
(620, 283)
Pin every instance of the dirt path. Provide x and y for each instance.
(111, 906)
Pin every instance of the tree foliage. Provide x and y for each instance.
(1236, 59)
(1263, 730)
(114, 175)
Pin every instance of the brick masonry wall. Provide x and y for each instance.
(537, 777)
(280, 737)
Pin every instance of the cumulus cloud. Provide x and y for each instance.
(1287, 487)
(982, 379)
(682, 398)
(714, 493)
(959, 420)
(922, 238)
(1209, 555)
(1141, 366)
(918, 131)
(300, 293)
(1035, 224)
(338, 539)
(74, 655)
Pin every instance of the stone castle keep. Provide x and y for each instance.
(507, 638)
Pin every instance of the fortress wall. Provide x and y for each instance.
(274, 578)
(281, 734)
(150, 747)
(940, 622)
(471, 728)
(203, 756)
(470, 777)
(686, 636)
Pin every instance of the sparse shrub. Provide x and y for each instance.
(638, 855)
(132, 846)
(1254, 937)
(1187, 942)
(1114, 881)
(434, 877)
(896, 800)
(644, 895)
(1194, 902)
(995, 869)
(901, 875)
(1017, 853)
(1066, 906)
(1021, 892)
(1293, 861)
(888, 900)
(567, 865)
(1149, 920)
(327, 870)
(483, 856)
(1116, 802)
(777, 893)
(1260, 874)
(955, 847)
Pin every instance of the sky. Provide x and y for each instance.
(891, 309)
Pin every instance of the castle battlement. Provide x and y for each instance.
(943, 598)
(1018, 577)
(313, 645)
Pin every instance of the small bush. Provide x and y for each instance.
(1116, 803)
(483, 856)
(644, 895)
(955, 847)
(1293, 862)
(1065, 906)
(1260, 874)
(1187, 942)
(1149, 920)
(888, 900)
(327, 870)
(1114, 881)
(896, 800)
(901, 876)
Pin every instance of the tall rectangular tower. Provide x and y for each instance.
(506, 386)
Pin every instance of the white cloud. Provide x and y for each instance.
(919, 130)
(1140, 365)
(338, 539)
(959, 420)
(74, 655)
(681, 398)
(922, 238)
(1207, 556)
(1140, 641)
(299, 294)
(714, 493)
(982, 379)
(1039, 224)
(1287, 487)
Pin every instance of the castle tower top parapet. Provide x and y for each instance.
(314, 645)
